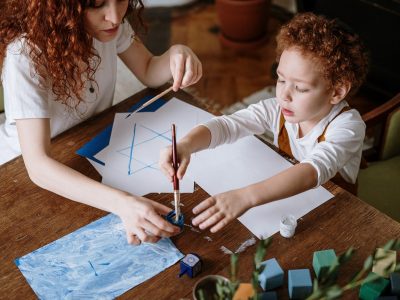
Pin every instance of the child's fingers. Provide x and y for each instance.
(213, 219)
(204, 205)
(167, 171)
(183, 167)
(222, 223)
(204, 215)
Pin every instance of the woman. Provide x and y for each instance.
(58, 61)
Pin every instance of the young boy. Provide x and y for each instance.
(320, 64)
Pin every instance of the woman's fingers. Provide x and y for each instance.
(189, 72)
(178, 70)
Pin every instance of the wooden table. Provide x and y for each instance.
(31, 217)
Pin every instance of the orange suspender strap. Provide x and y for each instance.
(321, 138)
(284, 145)
(283, 138)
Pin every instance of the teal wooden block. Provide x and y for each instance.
(271, 295)
(300, 284)
(395, 283)
(373, 289)
(322, 260)
(272, 275)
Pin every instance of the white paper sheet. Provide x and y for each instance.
(249, 161)
(135, 144)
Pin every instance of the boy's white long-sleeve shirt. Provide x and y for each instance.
(340, 152)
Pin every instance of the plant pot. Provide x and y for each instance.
(207, 284)
(243, 23)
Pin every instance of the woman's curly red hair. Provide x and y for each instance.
(58, 44)
(340, 53)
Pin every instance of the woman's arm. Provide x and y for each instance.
(179, 63)
(140, 216)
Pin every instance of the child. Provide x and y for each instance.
(319, 65)
(58, 61)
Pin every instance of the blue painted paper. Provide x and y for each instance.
(101, 140)
(94, 262)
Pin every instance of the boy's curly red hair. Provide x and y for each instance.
(58, 44)
(340, 53)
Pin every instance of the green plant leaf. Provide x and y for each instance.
(368, 263)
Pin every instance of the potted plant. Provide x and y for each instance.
(243, 23)
(326, 288)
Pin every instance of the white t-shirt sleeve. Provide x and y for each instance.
(343, 141)
(125, 37)
(24, 96)
(256, 119)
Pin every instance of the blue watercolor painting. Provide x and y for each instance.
(94, 262)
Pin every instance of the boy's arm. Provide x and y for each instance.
(179, 62)
(197, 139)
(137, 213)
(290, 182)
(219, 210)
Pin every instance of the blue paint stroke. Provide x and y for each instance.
(131, 152)
(60, 270)
(101, 140)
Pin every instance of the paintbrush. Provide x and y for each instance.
(147, 103)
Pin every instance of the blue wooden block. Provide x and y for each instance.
(395, 283)
(272, 275)
(300, 284)
(322, 260)
(271, 295)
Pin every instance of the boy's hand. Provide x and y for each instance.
(143, 222)
(186, 68)
(219, 210)
(165, 161)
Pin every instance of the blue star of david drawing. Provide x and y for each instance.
(136, 165)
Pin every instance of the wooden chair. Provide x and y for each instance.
(379, 184)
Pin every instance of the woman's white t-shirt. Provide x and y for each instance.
(25, 99)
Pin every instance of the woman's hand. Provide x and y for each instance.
(142, 220)
(185, 67)
(165, 161)
(219, 210)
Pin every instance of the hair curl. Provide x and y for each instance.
(339, 52)
(57, 42)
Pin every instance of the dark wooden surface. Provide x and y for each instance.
(31, 217)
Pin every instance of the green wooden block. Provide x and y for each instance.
(322, 260)
(372, 290)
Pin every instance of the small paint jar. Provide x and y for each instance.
(287, 226)
(171, 218)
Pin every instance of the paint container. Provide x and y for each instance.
(287, 226)
(171, 218)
